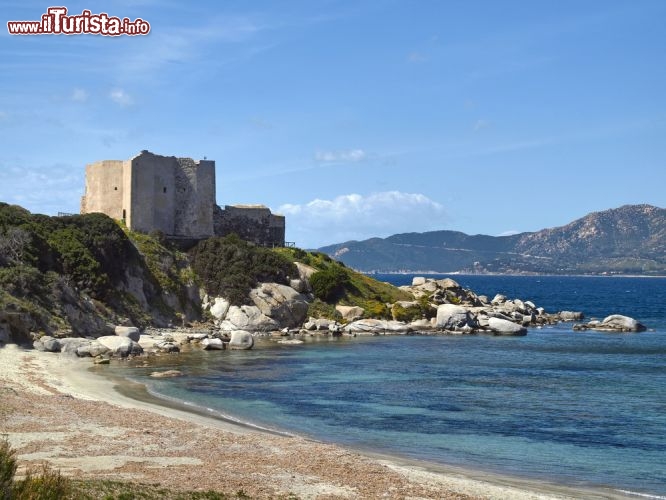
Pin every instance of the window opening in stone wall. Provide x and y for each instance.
(124, 214)
(115, 188)
(164, 189)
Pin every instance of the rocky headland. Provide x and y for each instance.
(85, 285)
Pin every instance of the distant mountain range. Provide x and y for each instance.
(626, 240)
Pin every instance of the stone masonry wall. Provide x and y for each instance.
(252, 223)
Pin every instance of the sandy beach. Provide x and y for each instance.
(55, 410)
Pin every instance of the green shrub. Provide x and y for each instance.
(320, 309)
(230, 267)
(23, 281)
(8, 467)
(46, 484)
(329, 284)
(376, 309)
(406, 314)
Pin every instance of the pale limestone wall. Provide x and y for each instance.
(104, 189)
(153, 189)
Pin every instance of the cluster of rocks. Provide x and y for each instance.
(615, 323)
(280, 312)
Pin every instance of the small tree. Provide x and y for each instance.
(329, 285)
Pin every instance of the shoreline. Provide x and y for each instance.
(71, 380)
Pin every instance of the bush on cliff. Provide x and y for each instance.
(329, 285)
(230, 267)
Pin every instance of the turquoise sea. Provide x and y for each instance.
(578, 408)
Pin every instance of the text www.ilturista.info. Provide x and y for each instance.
(56, 22)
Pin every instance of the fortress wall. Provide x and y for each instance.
(251, 223)
(195, 197)
(104, 188)
(153, 193)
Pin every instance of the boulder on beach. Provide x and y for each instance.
(504, 327)
(241, 340)
(120, 346)
(376, 327)
(350, 313)
(131, 332)
(452, 317)
(281, 303)
(248, 318)
(213, 344)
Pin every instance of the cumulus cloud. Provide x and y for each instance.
(354, 216)
(79, 95)
(347, 156)
(119, 96)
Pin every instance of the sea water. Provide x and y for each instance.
(580, 408)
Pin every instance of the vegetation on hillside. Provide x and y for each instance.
(78, 273)
(230, 267)
(335, 283)
(90, 263)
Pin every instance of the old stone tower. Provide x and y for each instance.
(175, 196)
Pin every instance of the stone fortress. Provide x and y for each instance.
(176, 196)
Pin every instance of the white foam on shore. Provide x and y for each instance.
(642, 495)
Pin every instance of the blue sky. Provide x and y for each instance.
(353, 118)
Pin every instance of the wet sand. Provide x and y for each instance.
(55, 410)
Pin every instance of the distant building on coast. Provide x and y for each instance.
(176, 196)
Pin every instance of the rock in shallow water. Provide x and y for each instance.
(504, 327)
(241, 340)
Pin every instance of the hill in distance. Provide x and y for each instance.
(626, 240)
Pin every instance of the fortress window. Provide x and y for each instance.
(115, 188)
(164, 189)
(124, 214)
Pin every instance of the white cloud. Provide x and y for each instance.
(119, 96)
(41, 188)
(348, 156)
(510, 232)
(354, 216)
(481, 124)
(79, 95)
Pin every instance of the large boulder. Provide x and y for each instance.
(281, 303)
(305, 271)
(213, 344)
(131, 332)
(120, 346)
(452, 317)
(504, 327)
(447, 283)
(93, 349)
(350, 313)
(219, 308)
(418, 281)
(241, 340)
(619, 323)
(248, 318)
(49, 344)
(570, 315)
(377, 326)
